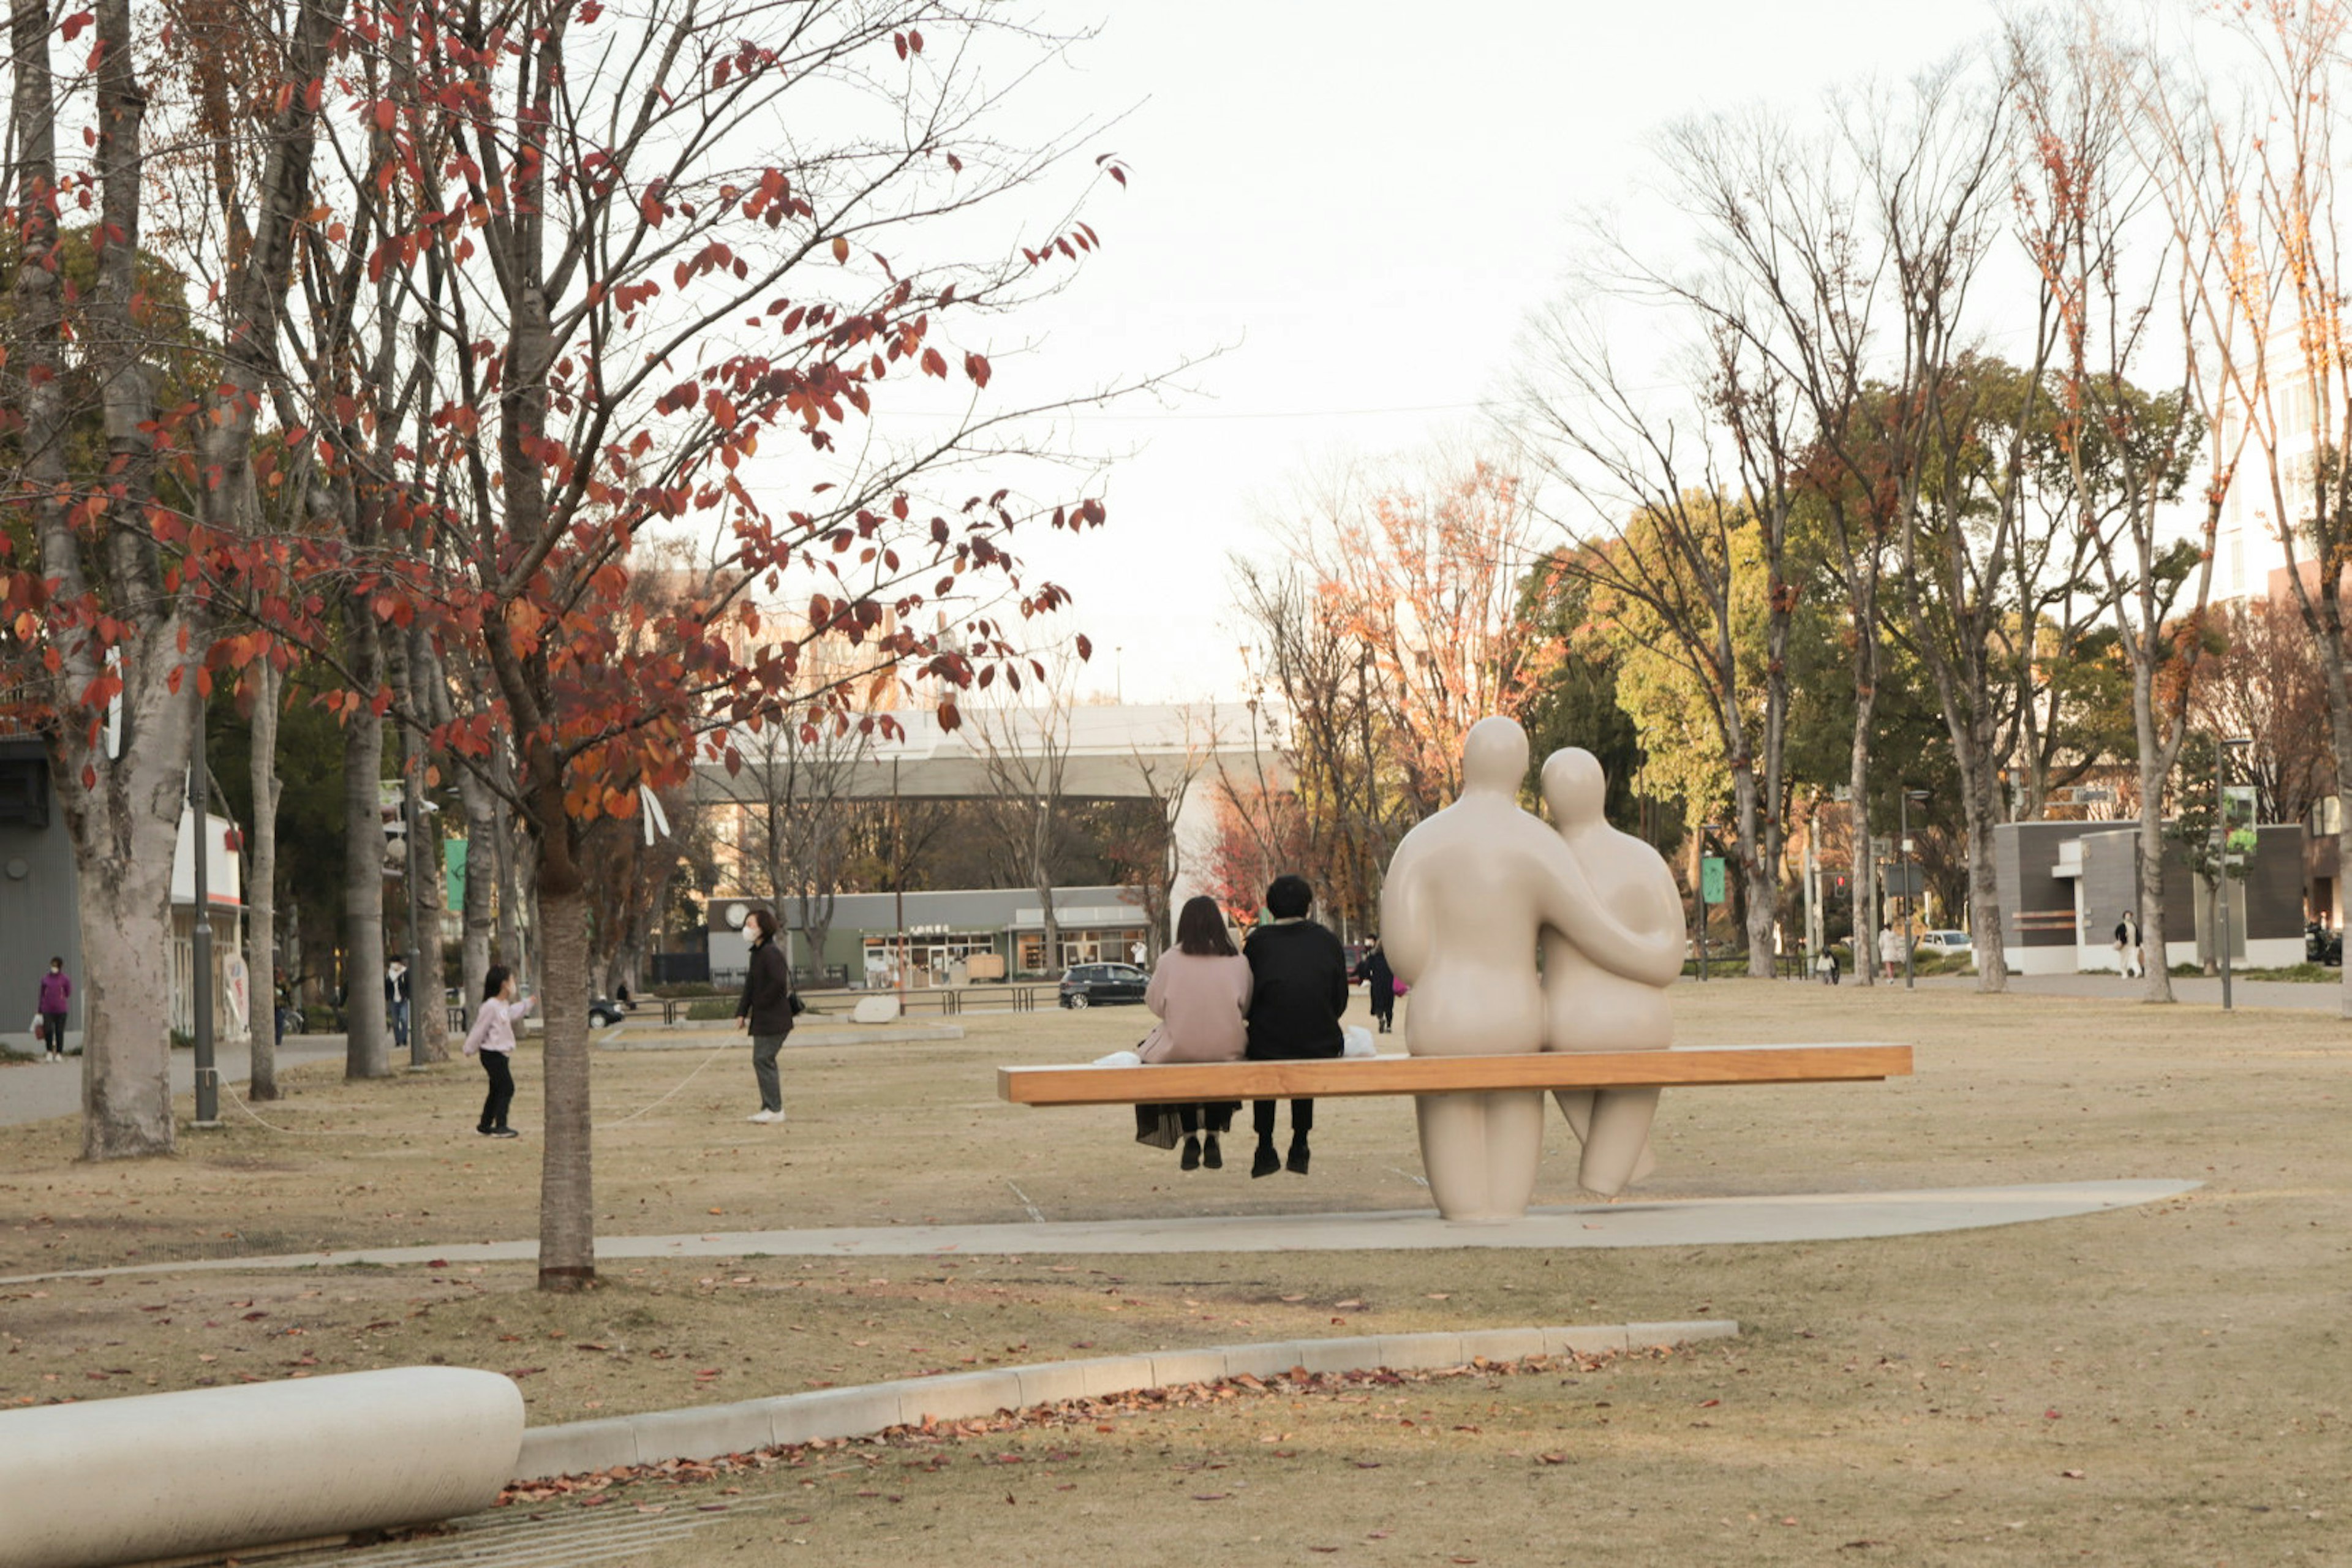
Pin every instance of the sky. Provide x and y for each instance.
(1354, 208)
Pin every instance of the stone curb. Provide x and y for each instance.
(707, 1432)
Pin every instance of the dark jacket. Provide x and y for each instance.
(1379, 980)
(1298, 990)
(767, 991)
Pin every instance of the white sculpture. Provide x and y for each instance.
(1588, 1006)
(1469, 892)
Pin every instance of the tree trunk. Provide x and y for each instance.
(1979, 789)
(425, 1013)
(2154, 763)
(1865, 855)
(261, 885)
(482, 861)
(367, 1048)
(567, 1202)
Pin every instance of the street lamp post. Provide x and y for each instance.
(2221, 859)
(1909, 861)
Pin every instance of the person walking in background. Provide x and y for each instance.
(1201, 993)
(1298, 977)
(1379, 984)
(765, 1013)
(2127, 951)
(57, 997)
(492, 1037)
(396, 1001)
(1892, 945)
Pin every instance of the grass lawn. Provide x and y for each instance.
(2164, 1384)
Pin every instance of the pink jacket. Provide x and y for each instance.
(56, 991)
(493, 1027)
(1204, 1007)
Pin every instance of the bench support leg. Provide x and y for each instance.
(1481, 1151)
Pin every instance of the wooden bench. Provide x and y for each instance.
(1332, 1079)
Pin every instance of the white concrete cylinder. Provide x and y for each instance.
(216, 1469)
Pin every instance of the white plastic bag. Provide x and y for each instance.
(1356, 1041)
(1119, 1059)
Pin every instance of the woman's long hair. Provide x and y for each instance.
(1201, 930)
(495, 981)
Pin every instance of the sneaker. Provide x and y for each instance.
(765, 1118)
(504, 1132)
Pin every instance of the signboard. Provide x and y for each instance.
(453, 868)
(1710, 879)
(2237, 819)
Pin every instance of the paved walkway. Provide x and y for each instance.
(1694, 1222)
(38, 1090)
(2292, 995)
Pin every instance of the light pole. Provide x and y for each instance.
(2222, 745)
(1909, 861)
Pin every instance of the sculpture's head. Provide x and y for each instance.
(1494, 757)
(1574, 786)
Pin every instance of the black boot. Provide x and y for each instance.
(1211, 1155)
(1265, 1163)
(1298, 1161)
(1192, 1160)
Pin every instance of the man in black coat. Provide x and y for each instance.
(1298, 975)
(1379, 984)
(765, 1013)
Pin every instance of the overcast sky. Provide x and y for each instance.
(1361, 205)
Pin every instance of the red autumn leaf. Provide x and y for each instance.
(976, 367)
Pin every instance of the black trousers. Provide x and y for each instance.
(501, 1094)
(1302, 1117)
(1212, 1116)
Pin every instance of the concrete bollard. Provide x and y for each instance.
(218, 1470)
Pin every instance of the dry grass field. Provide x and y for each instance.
(2160, 1386)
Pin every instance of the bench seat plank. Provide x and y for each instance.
(1337, 1077)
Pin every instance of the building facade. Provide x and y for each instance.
(917, 941)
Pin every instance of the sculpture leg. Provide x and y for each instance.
(1515, 1123)
(1619, 1138)
(1454, 1153)
(1576, 1104)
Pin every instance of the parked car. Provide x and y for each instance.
(1944, 944)
(2321, 945)
(603, 1012)
(1103, 985)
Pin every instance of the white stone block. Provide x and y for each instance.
(219, 1470)
(875, 1010)
(576, 1447)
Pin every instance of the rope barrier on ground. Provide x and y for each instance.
(242, 1104)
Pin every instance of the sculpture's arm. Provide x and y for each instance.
(1404, 919)
(1653, 958)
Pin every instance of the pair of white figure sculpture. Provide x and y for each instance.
(1471, 893)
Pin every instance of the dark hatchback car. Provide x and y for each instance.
(1103, 985)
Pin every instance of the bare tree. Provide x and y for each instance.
(1682, 517)
(2270, 313)
(2115, 235)
(1027, 752)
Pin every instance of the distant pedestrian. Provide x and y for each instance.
(1892, 947)
(765, 1013)
(2128, 957)
(57, 995)
(1379, 984)
(396, 1001)
(1826, 966)
(493, 1038)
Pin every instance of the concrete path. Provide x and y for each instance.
(1696, 1222)
(38, 1090)
(2291, 994)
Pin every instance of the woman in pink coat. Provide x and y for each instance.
(1201, 992)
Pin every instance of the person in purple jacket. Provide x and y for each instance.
(57, 994)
